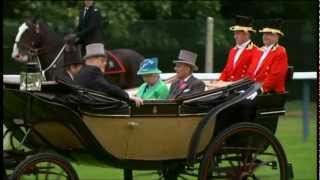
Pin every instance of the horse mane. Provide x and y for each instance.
(31, 21)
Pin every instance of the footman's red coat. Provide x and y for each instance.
(231, 73)
(273, 70)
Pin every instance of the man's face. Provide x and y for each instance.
(102, 62)
(182, 70)
(88, 3)
(75, 69)
(241, 37)
(269, 38)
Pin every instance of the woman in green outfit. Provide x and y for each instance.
(153, 87)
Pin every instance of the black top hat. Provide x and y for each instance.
(72, 56)
(243, 23)
(273, 26)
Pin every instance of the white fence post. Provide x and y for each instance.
(209, 45)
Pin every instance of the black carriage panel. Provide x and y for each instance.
(48, 124)
(268, 105)
(268, 109)
(156, 108)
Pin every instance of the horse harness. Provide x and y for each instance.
(37, 51)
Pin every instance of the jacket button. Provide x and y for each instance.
(242, 75)
(243, 71)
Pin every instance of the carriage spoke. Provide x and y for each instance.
(47, 175)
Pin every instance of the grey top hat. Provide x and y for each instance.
(187, 57)
(95, 49)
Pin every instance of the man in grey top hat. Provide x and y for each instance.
(186, 84)
(91, 75)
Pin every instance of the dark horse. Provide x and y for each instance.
(34, 39)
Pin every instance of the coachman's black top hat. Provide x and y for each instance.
(71, 56)
(273, 26)
(243, 23)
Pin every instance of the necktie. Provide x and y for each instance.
(85, 11)
(263, 56)
(234, 58)
(182, 84)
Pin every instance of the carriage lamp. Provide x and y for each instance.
(30, 79)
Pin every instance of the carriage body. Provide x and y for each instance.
(160, 134)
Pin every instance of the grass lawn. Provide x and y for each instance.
(301, 154)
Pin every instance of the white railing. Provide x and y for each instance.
(15, 78)
(213, 76)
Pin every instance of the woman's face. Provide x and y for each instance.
(150, 79)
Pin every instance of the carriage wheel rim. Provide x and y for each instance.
(272, 141)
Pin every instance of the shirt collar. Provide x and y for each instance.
(187, 78)
(155, 84)
(243, 45)
(71, 76)
(267, 48)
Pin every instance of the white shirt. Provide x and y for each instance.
(266, 50)
(240, 48)
(85, 11)
(70, 75)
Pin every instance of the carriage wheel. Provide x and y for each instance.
(242, 152)
(44, 166)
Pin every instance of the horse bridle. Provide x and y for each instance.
(30, 50)
(35, 52)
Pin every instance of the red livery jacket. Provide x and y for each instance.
(273, 70)
(231, 73)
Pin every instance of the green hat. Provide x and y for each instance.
(149, 66)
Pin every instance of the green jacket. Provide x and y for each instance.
(158, 91)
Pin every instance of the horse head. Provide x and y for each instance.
(34, 39)
(29, 39)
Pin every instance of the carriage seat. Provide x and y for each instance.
(157, 108)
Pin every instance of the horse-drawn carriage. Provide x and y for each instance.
(185, 136)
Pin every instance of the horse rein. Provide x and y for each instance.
(56, 59)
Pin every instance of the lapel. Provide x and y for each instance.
(142, 89)
(232, 55)
(242, 55)
(268, 58)
(188, 85)
(150, 90)
(85, 17)
(238, 63)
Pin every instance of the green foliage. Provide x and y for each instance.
(161, 28)
(120, 17)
